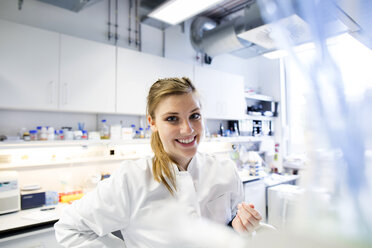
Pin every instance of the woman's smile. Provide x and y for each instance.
(187, 142)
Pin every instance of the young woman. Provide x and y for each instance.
(128, 201)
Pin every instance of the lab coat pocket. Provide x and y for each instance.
(219, 209)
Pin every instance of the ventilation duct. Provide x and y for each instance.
(248, 35)
(206, 37)
(73, 5)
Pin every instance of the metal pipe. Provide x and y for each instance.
(136, 32)
(20, 3)
(130, 22)
(139, 34)
(109, 20)
(116, 22)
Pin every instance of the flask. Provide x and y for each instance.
(104, 130)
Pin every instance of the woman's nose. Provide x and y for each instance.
(186, 128)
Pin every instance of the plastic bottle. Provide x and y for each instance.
(137, 134)
(61, 135)
(141, 133)
(38, 129)
(26, 136)
(85, 135)
(104, 130)
(33, 135)
(133, 130)
(50, 133)
(43, 134)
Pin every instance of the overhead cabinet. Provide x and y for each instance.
(42, 70)
(136, 72)
(28, 67)
(87, 79)
(222, 93)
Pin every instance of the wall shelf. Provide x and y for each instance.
(260, 117)
(258, 97)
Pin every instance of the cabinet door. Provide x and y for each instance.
(87, 79)
(28, 67)
(222, 93)
(136, 72)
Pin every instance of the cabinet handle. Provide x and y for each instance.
(65, 91)
(51, 92)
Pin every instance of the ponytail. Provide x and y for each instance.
(160, 164)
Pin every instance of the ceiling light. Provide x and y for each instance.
(176, 11)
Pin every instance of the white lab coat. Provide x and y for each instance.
(132, 201)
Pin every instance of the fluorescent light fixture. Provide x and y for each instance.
(176, 11)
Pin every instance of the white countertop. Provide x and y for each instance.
(30, 217)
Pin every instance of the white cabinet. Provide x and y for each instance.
(87, 76)
(254, 192)
(222, 93)
(28, 67)
(136, 72)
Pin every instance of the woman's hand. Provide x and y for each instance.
(246, 219)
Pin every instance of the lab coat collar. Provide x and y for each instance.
(191, 168)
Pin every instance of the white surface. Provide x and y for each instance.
(222, 93)
(281, 201)
(258, 97)
(29, 217)
(34, 239)
(28, 67)
(87, 75)
(274, 179)
(137, 72)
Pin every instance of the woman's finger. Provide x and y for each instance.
(238, 225)
(245, 223)
(251, 210)
(247, 218)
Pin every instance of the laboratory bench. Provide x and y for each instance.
(37, 223)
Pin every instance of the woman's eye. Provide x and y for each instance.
(172, 118)
(195, 116)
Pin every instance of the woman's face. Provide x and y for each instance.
(179, 123)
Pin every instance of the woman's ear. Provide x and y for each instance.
(152, 123)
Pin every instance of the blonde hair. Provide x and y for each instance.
(162, 163)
